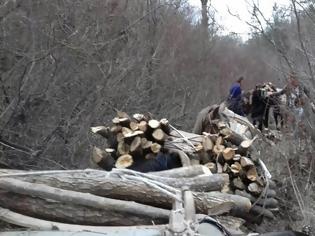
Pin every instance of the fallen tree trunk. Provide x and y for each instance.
(84, 199)
(37, 224)
(70, 213)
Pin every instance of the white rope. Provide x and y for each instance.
(184, 138)
(155, 184)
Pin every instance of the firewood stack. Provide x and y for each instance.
(223, 151)
(130, 138)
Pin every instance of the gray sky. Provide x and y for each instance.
(240, 7)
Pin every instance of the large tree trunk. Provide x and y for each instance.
(83, 199)
(38, 224)
(207, 203)
(108, 181)
(204, 13)
(70, 213)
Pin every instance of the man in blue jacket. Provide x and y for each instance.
(235, 98)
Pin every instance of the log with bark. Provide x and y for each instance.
(128, 190)
(39, 224)
(83, 199)
(70, 213)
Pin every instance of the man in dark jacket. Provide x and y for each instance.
(235, 98)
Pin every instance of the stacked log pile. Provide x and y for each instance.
(220, 168)
(130, 138)
(221, 150)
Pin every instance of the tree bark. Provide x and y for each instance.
(37, 224)
(84, 199)
(70, 213)
(183, 172)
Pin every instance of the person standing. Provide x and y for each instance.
(235, 97)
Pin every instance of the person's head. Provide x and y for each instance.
(293, 79)
(240, 79)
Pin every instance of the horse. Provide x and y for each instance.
(257, 104)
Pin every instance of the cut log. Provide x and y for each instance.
(244, 147)
(124, 161)
(254, 188)
(154, 124)
(218, 149)
(122, 114)
(38, 224)
(134, 125)
(159, 135)
(132, 134)
(138, 117)
(199, 148)
(238, 183)
(184, 172)
(145, 144)
(219, 141)
(241, 204)
(135, 144)
(236, 168)
(89, 182)
(115, 129)
(103, 159)
(231, 136)
(125, 121)
(165, 126)
(107, 186)
(155, 147)
(70, 213)
(212, 167)
(116, 121)
(120, 137)
(261, 211)
(267, 202)
(237, 157)
(207, 144)
(125, 131)
(246, 162)
(123, 148)
(83, 199)
(101, 130)
(228, 153)
(251, 174)
(143, 125)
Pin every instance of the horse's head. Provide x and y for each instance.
(246, 101)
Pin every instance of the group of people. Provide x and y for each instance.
(287, 103)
